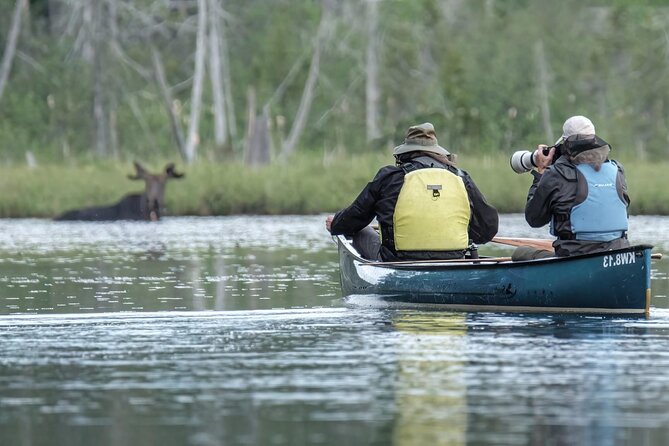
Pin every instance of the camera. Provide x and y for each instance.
(523, 160)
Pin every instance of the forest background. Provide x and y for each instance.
(290, 106)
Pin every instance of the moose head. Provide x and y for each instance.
(153, 199)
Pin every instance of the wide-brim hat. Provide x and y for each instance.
(421, 138)
(576, 125)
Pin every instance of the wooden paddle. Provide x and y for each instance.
(537, 243)
(440, 262)
(540, 243)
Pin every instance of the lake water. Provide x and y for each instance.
(212, 331)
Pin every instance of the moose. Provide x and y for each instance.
(145, 206)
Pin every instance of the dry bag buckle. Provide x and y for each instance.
(435, 188)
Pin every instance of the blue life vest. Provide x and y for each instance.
(603, 214)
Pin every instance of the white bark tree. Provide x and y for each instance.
(10, 46)
(322, 35)
(227, 79)
(168, 101)
(257, 149)
(215, 71)
(373, 94)
(193, 138)
(542, 81)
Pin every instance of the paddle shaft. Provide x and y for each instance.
(537, 243)
(411, 262)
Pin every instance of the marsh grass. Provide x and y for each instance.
(305, 185)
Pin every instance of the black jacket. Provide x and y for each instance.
(379, 197)
(553, 195)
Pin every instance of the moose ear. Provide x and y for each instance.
(170, 172)
(140, 172)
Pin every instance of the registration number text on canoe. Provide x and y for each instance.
(625, 258)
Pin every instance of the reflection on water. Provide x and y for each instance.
(120, 334)
(333, 376)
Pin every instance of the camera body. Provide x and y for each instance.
(522, 161)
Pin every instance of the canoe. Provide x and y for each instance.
(616, 281)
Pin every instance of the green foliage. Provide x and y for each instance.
(307, 185)
(469, 67)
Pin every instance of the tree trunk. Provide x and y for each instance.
(169, 102)
(542, 75)
(372, 72)
(10, 46)
(227, 80)
(220, 131)
(310, 85)
(198, 78)
(257, 151)
(95, 52)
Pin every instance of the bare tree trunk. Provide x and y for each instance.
(257, 133)
(543, 90)
(310, 85)
(98, 106)
(10, 46)
(227, 80)
(198, 78)
(372, 72)
(169, 102)
(220, 131)
(95, 51)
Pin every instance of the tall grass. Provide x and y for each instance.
(305, 185)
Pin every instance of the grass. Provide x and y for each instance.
(306, 185)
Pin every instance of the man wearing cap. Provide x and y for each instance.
(583, 194)
(426, 207)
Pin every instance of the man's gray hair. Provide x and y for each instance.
(594, 157)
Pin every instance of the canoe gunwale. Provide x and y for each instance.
(482, 262)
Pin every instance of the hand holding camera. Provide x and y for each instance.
(543, 157)
(523, 160)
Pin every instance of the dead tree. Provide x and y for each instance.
(168, 101)
(542, 79)
(192, 140)
(322, 35)
(10, 46)
(257, 150)
(372, 73)
(217, 92)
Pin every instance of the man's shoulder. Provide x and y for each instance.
(387, 171)
(562, 169)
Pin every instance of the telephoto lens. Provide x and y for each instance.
(522, 161)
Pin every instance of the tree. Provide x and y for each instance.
(372, 72)
(193, 139)
(10, 46)
(299, 122)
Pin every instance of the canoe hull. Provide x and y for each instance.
(611, 282)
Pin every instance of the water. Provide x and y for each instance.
(216, 331)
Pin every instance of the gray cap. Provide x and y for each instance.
(576, 125)
(421, 138)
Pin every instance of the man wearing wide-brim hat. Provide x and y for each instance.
(425, 206)
(580, 192)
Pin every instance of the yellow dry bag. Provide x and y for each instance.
(432, 212)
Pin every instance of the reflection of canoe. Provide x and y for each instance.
(608, 282)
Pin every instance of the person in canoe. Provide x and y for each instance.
(426, 207)
(580, 192)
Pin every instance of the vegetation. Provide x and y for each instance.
(492, 75)
(289, 106)
(308, 185)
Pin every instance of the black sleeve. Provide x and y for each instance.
(361, 212)
(484, 221)
(539, 198)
